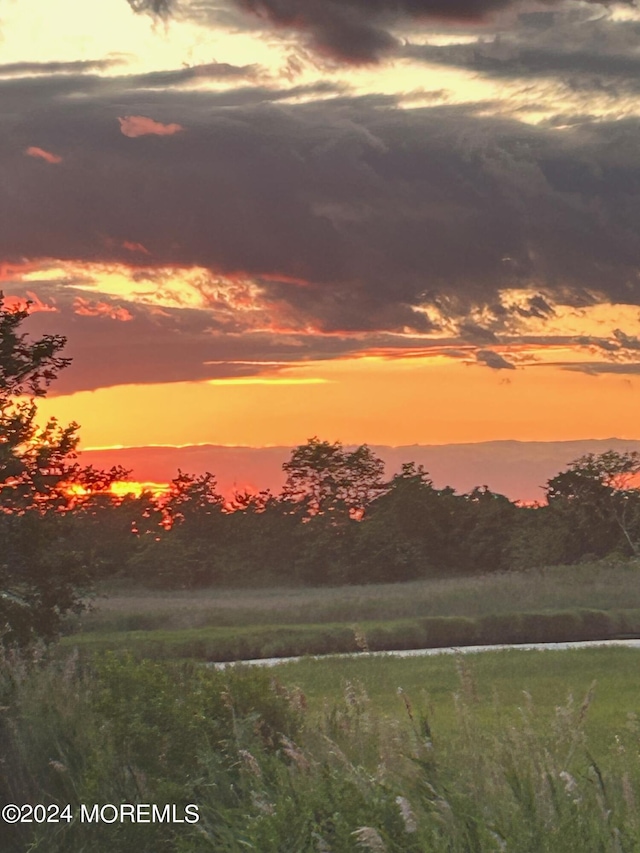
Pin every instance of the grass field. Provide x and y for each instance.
(591, 601)
(601, 585)
(499, 684)
(497, 752)
(281, 641)
(518, 751)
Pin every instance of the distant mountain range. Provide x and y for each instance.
(517, 469)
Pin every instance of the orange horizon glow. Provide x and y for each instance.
(417, 389)
(157, 491)
(366, 400)
(119, 489)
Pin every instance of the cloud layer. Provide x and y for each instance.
(573, 45)
(350, 214)
(315, 223)
(352, 31)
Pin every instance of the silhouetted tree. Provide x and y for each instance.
(597, 500)
(42, 572)
(265, 539)
(184, 537)
(416, 530)
(484, 529)
(406, 531)
(330, 480)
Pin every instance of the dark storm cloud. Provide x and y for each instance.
(492, 59)
(21, 91)
(356, 31)
(494, 360)
(20, 69)
(352, 215)
(44, 95)
(115, 341)
(601, 343)
(536, 306)
(601, 367)
(571, 45)
(167, 345)
(156, 7)
(626, 341)
(182, 76)
(475, 334)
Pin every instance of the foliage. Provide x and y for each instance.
(469, 772)
(331, 480)
(119, 731)
(336, 521)
(43, 571)
(598, 500)
(329, 638)
(604, 585)
(33, 461)
(415, 530)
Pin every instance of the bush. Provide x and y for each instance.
(126, 731)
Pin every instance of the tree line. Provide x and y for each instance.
(337, 520)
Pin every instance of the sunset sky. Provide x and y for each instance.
(382, 221)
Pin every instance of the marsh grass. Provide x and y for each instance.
(590, 601)
(603, 585)
(549, 766)
(281, 641)
(431, 683)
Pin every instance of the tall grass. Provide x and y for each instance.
(270, 775)
(603, 585)
(271, 641)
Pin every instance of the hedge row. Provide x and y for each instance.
(215, 645)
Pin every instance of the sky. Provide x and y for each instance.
(381, 221)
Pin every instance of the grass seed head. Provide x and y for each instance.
(409, 818)
(250, 762)
(369, 838)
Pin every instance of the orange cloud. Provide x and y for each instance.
(31, 303)
(135, 247)
(85, 308)
(34, 151)
(133, 126)
(284, 279)
(11, 272)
